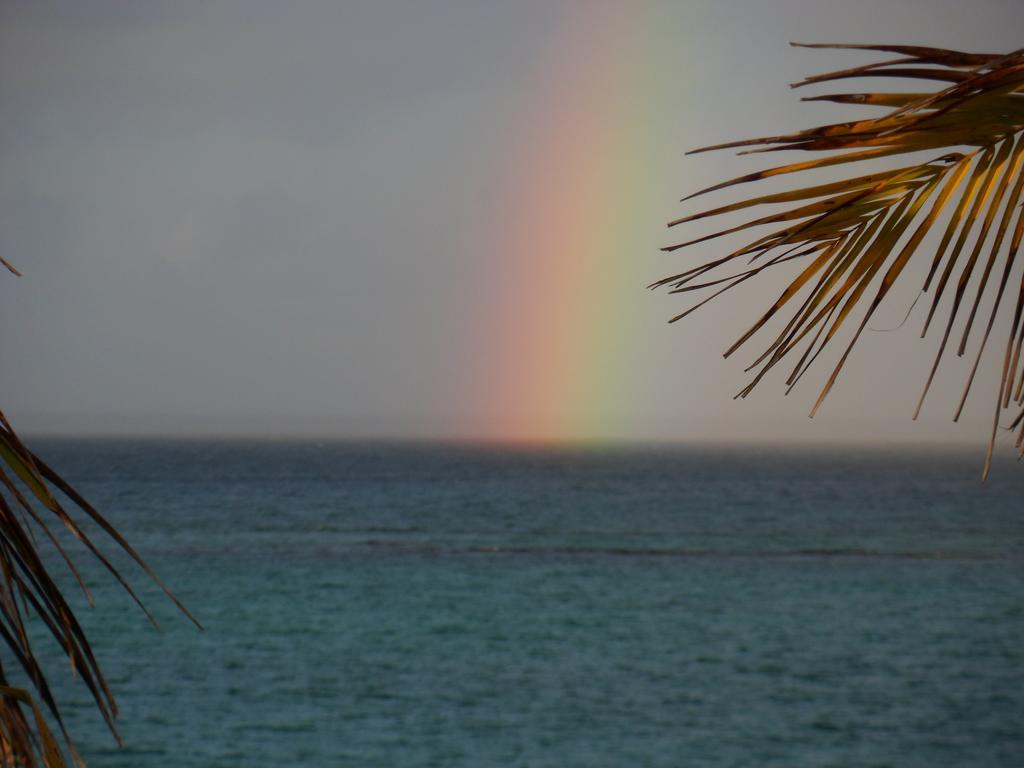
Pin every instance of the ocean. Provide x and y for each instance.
(375, 604)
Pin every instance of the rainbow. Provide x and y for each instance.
(560, 323)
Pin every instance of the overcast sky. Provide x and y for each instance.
(281, 218)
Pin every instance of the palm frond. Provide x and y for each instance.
(855, 236)
(29, 491)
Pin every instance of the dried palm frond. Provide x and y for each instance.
(854, 237)
(29, 491)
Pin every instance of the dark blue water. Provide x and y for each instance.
(429, 605)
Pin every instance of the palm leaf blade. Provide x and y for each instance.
(866, 229)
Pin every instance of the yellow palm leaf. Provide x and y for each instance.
(858, 234)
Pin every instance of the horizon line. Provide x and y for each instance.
(490, 442)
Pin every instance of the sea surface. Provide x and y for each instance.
(393, 605)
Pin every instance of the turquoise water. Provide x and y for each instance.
(430, 605)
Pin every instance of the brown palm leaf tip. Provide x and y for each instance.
(853, 238)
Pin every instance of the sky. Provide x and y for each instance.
(417, 219)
